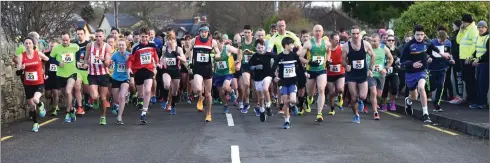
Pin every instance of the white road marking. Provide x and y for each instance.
(235, 154)
(229, 118)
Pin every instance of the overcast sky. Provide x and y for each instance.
(318, 3)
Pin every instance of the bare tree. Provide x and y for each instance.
(48, 18)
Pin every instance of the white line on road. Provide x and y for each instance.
(235, 154)
(229, 118)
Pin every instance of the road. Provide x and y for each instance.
(186, 138)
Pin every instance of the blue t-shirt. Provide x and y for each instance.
(438, 62)
(120, 66)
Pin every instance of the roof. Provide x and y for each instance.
(125, 20)
(80, 22)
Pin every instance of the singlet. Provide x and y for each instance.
(202, 53)
(222, 65)
(251, 47)
(172, 63)
(357, 61)
(336, 67)
(33, 72)
(50, 68)
(380, 61)
(96, 66)
(316, 54)
(80, 55)
(120, 66)
(111, 67)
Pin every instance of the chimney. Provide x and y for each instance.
(204, 19)
(196, 20)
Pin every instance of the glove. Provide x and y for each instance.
(328, 63)
(314, 64)
(19, 72)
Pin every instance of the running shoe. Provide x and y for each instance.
(216, 101)
(365, 109)
(319, 117)
(437, 108)
(67, 118)
(80, 111)
(308, 108)
(269, 111)
(257, 111)
(286, 125)
(143, 119)
(173, 111)
(115, 109)
(384, 108)
(200, 105)
(482, 106)
(188, 101)
(301, 110)
(341, 108)
(42, 110)
(340, 101)
(35, 127)
(392, 106)
(96, 104)
(153, 100)
(408, 107)
(361, 105)
(262, 116)
(186, 95)
(54, 113)
(280, 112)
(310, 100)
(119, 121)
(245, 108)
(164, 104)
(108, 104)
(73, 116)
(473, 106)
(295, 110)
(457, 100)
(376, 116)
(356, 119)
(169, 107)
(332, 111)
(139, 106)
(103, 121)
(208, 118)
(233, 97)
(225, 109)
(427, 119)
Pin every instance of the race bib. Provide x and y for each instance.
(358, 64)
(247, 58)
(289, 71)
(53, 67)
(222, 65)
(80, 64)
(202, 57)
(67, 58)
(377, 68)
(319, 59)
(335, 68)
(121, 68)
(437, 55)
(390, 70)
(96, 61)
(31, 76)
(171, 61)
(145, 58)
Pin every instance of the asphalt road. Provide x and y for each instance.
(186, 138)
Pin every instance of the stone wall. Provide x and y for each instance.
(12, 98)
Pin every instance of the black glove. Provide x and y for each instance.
(19, 72)
(314, 63)
(328, 63)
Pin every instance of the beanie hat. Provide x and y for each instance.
(482, 24)
(467, 18)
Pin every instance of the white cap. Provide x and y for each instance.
(390, 32)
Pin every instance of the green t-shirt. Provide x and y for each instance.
(379, 63)
(66, 55)
(276, 40)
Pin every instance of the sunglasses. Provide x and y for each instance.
(354, 33)
(390, 40)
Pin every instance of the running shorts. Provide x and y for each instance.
(286, 90)
(379, 82)
(141, 75)
(412, 79)
(219, 80)
(259, 85)
(100, 80)
(117, 84)
(63, 81)
(30, 90)
(333, 79)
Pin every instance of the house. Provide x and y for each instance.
(125, 21)
(80, 22)
(183, 26)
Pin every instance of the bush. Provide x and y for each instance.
(435, 13)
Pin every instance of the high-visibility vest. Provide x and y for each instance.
(467, 44)
(481, 43)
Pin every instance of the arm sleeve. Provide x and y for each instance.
(155, 55)
(405, 62)
(131, 59)
(54, 61)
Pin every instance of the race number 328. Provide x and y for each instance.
(358, 64)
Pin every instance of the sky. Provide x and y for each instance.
(318, 3)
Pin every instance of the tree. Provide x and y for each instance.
(47, 18)
(375, 13)
(155, 14)
(88, 13)
(438, 13)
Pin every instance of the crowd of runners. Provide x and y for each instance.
(278, 71)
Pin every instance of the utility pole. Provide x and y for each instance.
(276, 6)
(116, 13)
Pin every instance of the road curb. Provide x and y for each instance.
(450, 123)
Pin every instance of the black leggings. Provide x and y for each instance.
(402, 83)
(448, 85)
(391, 85)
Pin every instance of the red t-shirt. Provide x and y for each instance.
(143, 57)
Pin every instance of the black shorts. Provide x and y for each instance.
(237, 74)
(301, 80)
(30, 90)
(183, 69)
(314, 74)
(131, 75)
(117, 84)
(100, 80)
(141, 75)
(333, 79)
(205, 71)
(174, 74)
(52, 82)
(63, 81)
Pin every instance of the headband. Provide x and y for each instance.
(205, 28)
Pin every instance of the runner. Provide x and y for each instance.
(285, 74)
(112, 42)
(120, 79)
(376, 78)
(437, 68)
(237, 90)
(158, 43)
(302, 102)
(132, 85)
(171, 60)
(317, 52)
(335, 74)
(30, 63)
(247, 48)
(184, 71)
(202, 46)
(224, 68)
(392, 79)
(98, 60)
(80, 58)
(141, 62)
(414, 60)
(52, 82)
(261, 64)
(67, 72)
(354, 54)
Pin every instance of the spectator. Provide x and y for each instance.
(457, 74)
(481, 63)
(467, 39)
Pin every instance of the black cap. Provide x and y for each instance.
(458, 23)
(467, 18)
